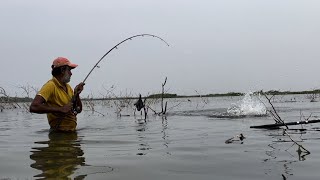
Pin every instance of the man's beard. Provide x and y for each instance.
(66, 78)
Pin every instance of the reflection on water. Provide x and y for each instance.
(164, 133)
(144, 133)
(59, 158)
(185, 144)
(285, 161)
(143, 144)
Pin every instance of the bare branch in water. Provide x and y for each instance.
(284, 178)
(162, 94)
(302, 116)
(278, 120)
(205, 101)
(273, 112)
(299, 145)
(313, 96)
(174, 106)
(89, 103)
(156, 99)
(6, 100)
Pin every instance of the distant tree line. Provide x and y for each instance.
(9, 99)
(15, 99)
(275, 92)
(224, 94)
(165, 95)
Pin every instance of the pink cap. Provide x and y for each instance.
(61, 61)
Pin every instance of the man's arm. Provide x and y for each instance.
(77, 90)
(39, 105)
(78, 104)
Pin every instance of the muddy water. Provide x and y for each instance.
(189, 143)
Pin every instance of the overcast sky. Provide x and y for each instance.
(216, 46)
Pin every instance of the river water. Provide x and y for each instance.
(188, 143)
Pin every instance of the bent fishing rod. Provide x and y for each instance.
(114, 47)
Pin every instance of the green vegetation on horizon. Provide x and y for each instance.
(4, 99)
(15, 99)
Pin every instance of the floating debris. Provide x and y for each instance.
(237, 138)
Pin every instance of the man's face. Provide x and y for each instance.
(67, 75)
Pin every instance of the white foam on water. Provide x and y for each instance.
(249, 105)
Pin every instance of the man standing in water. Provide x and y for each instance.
(57, 99)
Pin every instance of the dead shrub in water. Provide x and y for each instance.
(279, 120)
(155, 99)
(28, 92)
(7, 102)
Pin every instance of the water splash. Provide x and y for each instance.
(250, 105)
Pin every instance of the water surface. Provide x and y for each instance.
(187, 143)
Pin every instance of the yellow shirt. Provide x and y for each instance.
(55, 96)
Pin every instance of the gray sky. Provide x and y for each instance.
(216, 46)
